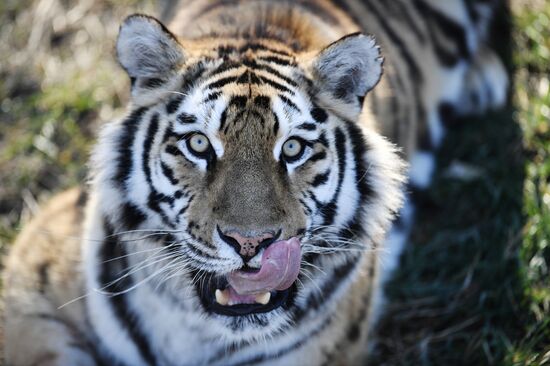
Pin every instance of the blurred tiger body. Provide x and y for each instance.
(260, 120)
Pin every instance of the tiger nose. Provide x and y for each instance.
(247, 246)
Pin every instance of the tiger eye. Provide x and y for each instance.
(292, 148)
(199, 143)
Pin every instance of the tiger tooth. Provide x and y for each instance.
(263, 298)
(222, 297)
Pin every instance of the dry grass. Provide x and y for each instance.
(58, 81)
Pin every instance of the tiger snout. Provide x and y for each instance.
(247, 246)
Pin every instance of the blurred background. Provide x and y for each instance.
(473, 287)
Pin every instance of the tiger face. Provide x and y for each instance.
(248, 157)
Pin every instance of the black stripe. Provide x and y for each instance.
(254, 79)
(152, 83)
(182, 210)
(221, 82)
(276, 124)
(43, 277)
(312, 197)
(262, 101)
(276, 85)
(191, 75)
(470, 7)
(307, 126)
(155, 198)
(168, 133)
(212, 96)
(239, 101)
(440, 24)
(318, 156)
(320, 179)
(317, 299)
(307, 209)
(244, 78)
(125, 149)
(169, 173)
(261, 47)
(354, 229)
(414, 71)
(289, 103)
(147, 145)
(359, 149)
(225, 66)
(173, 150)
(277, 60)
(82, 198)
(248, 77)
(223, 119)
(225, 50)
(131, 216)
(397, 9)
(329, 210)
(319, 114)
(173, 105)
(110, 271)
(275, 72)
(323, 140)
(186, 118)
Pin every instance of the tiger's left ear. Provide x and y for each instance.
(346, 71)
(151, 55)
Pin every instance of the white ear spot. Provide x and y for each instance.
(350, 67)
(145, 48)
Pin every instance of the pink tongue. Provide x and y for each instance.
(280, 267)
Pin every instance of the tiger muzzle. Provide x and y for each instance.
(250, 290)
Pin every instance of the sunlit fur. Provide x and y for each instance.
(249, 76)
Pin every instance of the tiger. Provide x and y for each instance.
(243, 211)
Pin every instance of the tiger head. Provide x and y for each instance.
(248, 157)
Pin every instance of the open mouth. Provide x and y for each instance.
(219, 297)
(247, 291)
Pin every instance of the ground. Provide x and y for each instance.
(472, 288)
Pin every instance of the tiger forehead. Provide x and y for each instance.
(251, 77)
(250, 119)
(234, 49)
(260, 67)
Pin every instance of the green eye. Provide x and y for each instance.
(199, 143)
(292, 149)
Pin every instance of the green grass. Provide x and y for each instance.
(45, 144)
(533, 102)
(473, 287)
(56, 87)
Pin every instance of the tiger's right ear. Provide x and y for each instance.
(345, 71)
(150, 54)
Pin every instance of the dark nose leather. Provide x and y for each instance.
(247, 246)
